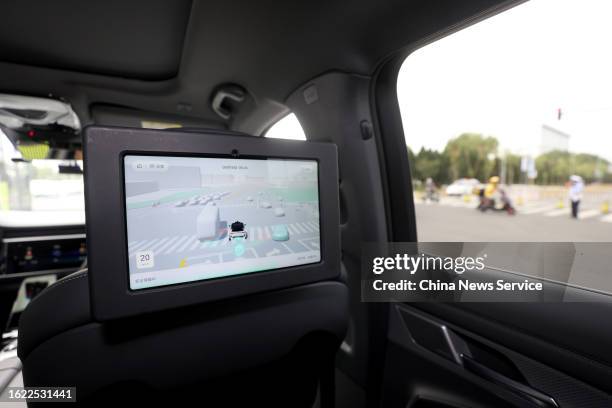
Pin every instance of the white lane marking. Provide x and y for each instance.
(557, 213)
(286, 247)
(306, 227)
(176, 244)
(145, 244)
(535, 210)
(588, 213)
(167, 244)
(606, 218)
(268, 234)
(133, 245)
(160, 243)
(292, 229)
(188, 242)
(315, 225)
(299, 227)
(309, 243)
(195, 245)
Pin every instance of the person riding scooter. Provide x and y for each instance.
(495, 198)
(488, 193)
(431, 191)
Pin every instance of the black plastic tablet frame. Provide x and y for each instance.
(105, 148)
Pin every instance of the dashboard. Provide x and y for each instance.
(43, 253)
(32, 258)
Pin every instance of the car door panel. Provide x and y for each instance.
(556, 334)
(418, 372)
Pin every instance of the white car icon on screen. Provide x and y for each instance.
(236, 230)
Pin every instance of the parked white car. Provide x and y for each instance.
(462, 187)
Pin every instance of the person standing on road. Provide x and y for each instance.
(575, 193)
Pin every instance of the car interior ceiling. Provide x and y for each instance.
(170, 60)
(120, 63)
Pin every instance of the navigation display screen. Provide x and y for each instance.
(195, 218)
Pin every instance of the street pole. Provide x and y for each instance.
(503, 168)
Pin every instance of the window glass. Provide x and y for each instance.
(509, 126)
(287, 128)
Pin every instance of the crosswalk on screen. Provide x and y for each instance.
(198, 218)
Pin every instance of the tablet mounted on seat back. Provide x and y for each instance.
(177, 218)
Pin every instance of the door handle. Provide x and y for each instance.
(537, 398)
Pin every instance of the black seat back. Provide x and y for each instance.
(271, 348)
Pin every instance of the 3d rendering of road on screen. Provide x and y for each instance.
(195, 218)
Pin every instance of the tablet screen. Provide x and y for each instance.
(197, 218)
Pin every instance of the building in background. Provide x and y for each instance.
(553, 139)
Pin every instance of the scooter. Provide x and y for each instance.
(431, 196)
(507, 203)
(491, 203)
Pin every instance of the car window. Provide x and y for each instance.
(508, 129)
(287, 128)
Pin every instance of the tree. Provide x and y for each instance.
(591, 167)
(513, 168)
(429, 163)
(468, 156)
(556, 166)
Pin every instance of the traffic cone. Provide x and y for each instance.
(605, 207)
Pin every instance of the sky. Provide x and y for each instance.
(507, 76)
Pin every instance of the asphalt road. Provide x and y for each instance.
(583, 264)
(437, 222)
